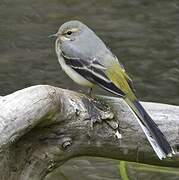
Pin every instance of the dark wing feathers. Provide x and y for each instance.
(92, 71)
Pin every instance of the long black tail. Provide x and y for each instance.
(151, 130)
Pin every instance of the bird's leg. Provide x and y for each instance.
(96, 107)
(90, 92)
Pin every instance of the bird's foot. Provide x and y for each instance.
(98, 111)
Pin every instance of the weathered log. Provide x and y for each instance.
(41, 127)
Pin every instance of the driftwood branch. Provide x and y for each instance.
(41, 127)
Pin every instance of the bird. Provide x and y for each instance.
(86, 59)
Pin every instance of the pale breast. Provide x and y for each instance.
(73, 74)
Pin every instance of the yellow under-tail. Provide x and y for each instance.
(156, 138)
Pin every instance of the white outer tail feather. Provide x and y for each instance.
(161, 155)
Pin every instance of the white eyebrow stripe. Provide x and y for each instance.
(72, 29)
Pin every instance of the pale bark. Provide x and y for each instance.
(41, 127)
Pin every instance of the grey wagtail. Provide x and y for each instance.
(86, 60)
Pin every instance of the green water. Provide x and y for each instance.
(144, 34)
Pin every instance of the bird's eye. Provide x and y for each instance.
(69, 33)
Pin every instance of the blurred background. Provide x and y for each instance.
(144, 35)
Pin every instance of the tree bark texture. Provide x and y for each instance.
(41, 127)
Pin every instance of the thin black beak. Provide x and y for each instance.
(53, 35)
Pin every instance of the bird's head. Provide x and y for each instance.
(69, 31)
(74, 38)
